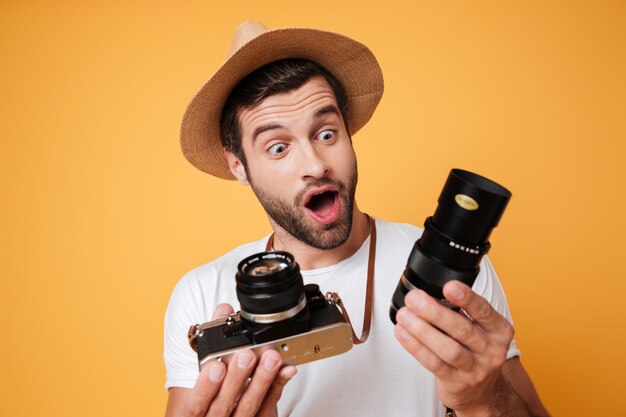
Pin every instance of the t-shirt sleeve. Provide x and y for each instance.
(488, 285)
(181, 361)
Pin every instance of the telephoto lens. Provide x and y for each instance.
(271, 292)
(455, 238)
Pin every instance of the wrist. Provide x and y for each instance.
(488, 403)
(475, 412)
(500, 401)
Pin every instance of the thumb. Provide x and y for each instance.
(223, 310)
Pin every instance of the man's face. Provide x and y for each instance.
(301, 164)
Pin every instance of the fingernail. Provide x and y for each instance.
(417, 300)
(456, 291)
(403, 334)
(290, 372)
(244, 359)
(216, 373)
(271, 363)
(404, 316)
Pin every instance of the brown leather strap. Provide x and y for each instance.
(369, 290)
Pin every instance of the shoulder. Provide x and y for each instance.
(402, 231)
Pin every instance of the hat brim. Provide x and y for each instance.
(351, 62)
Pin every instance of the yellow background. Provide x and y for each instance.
(101, 214)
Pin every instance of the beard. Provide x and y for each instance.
(291, 216)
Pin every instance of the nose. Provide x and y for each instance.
(312, 162)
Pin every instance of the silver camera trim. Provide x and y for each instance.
(274, 317)
(321, 342)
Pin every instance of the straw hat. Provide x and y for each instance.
(253, 46)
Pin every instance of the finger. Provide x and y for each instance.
(479, 310)
(239, 370)
(223, 310)
(455, 325)
(425, 356)
(207, 386)
(442, 345)
(264, 375)
(268, 407)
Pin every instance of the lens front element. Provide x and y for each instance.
(269, 283)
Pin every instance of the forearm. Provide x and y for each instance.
(504, 402)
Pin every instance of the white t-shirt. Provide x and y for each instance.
(377, 378)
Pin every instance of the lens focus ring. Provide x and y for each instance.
(433, 272)
(269, 283)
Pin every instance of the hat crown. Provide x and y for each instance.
(244, 33)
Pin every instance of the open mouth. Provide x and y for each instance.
(324, 206)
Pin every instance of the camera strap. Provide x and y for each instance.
(369, 290)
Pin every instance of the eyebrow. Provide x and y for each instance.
(265, 128)
(331, 108)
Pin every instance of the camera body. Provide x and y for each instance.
(309, 327)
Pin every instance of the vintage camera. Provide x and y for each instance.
(277, 312)
(455, 238)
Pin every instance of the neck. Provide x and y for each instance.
(309, 257)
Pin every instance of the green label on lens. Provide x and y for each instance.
(466, 202)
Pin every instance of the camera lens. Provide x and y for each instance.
(455, 238)
(270, 287)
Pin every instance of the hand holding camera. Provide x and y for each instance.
(465, 352)
(278, 312)
(247, 384)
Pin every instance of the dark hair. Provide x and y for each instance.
(275, 78)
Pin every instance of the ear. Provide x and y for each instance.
(236, 167)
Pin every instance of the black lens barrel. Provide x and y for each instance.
(424, 269)
(455, 238)
(437, 245)
(276, 291)
(458, 217)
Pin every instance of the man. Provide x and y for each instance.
(279, 116)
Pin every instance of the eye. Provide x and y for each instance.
(277, 149)
(326, 135)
